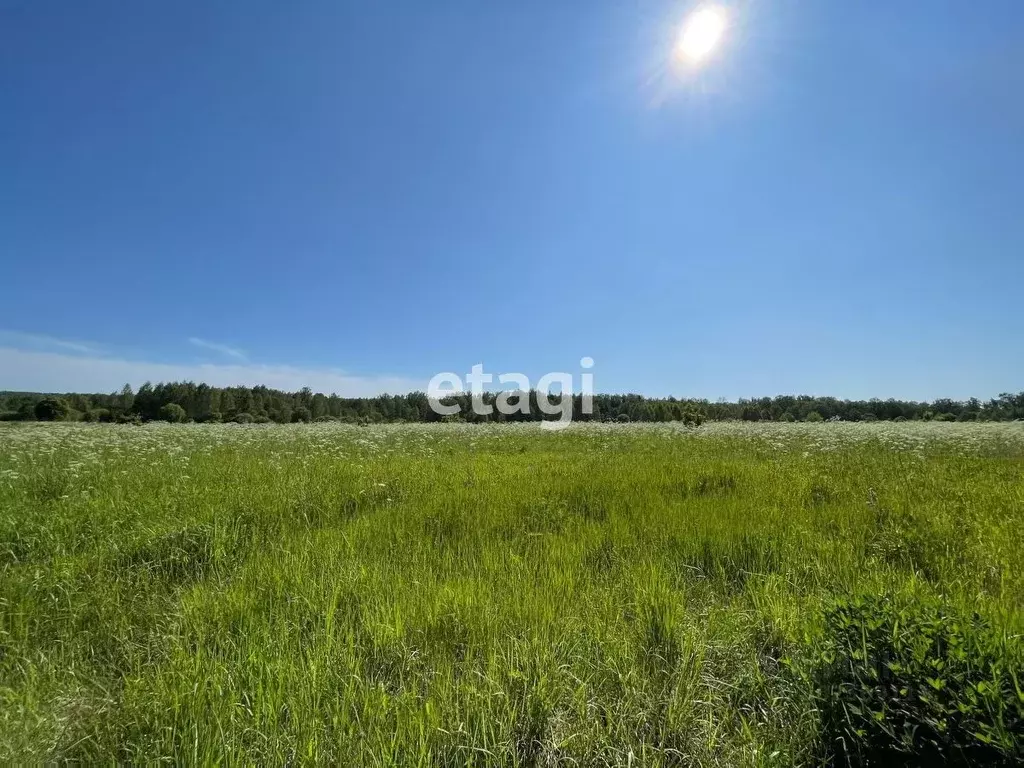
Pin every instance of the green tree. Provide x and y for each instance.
(692, 417)
(126, 399)
(173, 413)
(52, 409)
(320, 407)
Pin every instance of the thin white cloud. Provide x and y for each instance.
(223, 349)
(38, 340)
(38, 371)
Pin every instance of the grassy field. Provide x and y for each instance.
(459, 595)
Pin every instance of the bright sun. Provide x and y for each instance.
(701, 34)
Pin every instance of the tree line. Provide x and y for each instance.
(188, 401)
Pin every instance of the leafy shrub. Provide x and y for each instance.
(213, 417)
(301, 414)
(814, 417)
(261, 419)
(242, 418)
(693, 417)
(90, 415)
(900, 683)
(52, 409)
(173, 413)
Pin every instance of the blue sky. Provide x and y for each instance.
(357, 196)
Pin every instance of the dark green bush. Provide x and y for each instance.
(173, 413)
(912, 683)
(52, 409)
(693, 418)
(242, 418)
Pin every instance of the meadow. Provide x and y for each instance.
(460, 595)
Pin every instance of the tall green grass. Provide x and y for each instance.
(461, 595)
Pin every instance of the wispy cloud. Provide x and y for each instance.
(223, 349)
(41, 371)
(41, 341)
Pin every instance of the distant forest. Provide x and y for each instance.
(186, 401)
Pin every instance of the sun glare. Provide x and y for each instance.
(701, 34)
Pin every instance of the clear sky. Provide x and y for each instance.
(356, 196)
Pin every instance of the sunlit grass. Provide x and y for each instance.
(471, 595)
